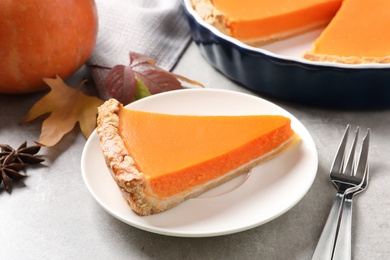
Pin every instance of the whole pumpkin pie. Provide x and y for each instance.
(359, 33)
(260, 22)
(160, 160)
(355, 31)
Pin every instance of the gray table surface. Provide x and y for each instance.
(52, 215)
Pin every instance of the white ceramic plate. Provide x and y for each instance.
(246, 202)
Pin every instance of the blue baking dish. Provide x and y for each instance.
(291, 78)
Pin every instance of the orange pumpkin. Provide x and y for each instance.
(44, 38)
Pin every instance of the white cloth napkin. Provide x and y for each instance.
(155, 28)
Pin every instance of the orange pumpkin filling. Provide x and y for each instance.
(360, 29)
(179, 152)
(253, 19)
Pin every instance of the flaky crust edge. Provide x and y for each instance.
(133, 184)
(211, 15)
(130, 181)
(312, 56)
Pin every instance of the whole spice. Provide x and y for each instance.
(13, 161)
(10, 170)
(24, 154)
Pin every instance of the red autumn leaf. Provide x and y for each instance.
(158, 81)
(121, 83)
(140, 60)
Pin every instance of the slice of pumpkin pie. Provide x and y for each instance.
(160, 160)
(359, 33)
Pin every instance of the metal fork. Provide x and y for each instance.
(346, 178)
(342, 248)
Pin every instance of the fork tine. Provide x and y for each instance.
(339, 158)
(351, 158)
(362, 165)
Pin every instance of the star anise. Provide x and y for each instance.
(24, 154)
(10, 170)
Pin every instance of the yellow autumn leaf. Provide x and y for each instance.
(66, 106)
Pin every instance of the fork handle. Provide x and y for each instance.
(325, 245)
(343, 243)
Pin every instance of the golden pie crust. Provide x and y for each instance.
(211, 15)
(309, 55)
